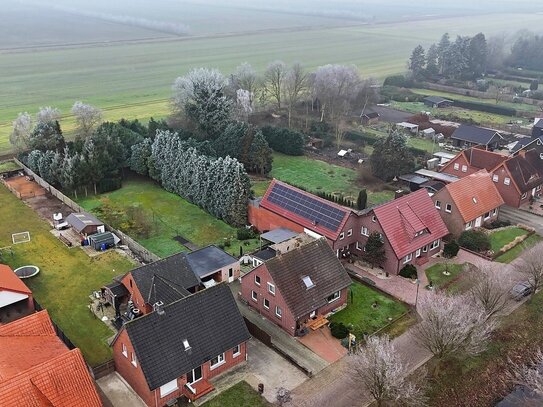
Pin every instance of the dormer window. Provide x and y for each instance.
(186, 344)
(506, 180)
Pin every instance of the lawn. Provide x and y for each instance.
(512, 254)
(502, 237)
(66, 278)
(239, 395)
(6, 166)
(171, 216)
(436, 276)
(362, 316)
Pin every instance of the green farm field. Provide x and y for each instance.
(133, 78)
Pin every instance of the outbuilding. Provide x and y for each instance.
(437, 102)
(85, 224)
(102, 241)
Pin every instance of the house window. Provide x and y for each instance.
(278, 312)
(538, 188)
(266, 303)
(408, 258)
(194, 375)
(456, 166)
(469, 225)
(464, 168)
(495, 178)
(425, 249)
(334, 297)
(438, 204)
(236, 351)
(487, 215)
(168, 388)
(350, 232)
(217, 361)
(358, 246)
(494, 212)
(134, 360)
(130, 283)
(373, 219)
(418, 253)
(524, 195)
(271, 288)
(364, 231)
(434, 244)
(506, 180)
(381, 237)
(254, 295)
(448, 208)
(125, 351)
(257, 280)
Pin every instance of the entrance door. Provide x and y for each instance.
(230, 275)
(478, 222)
(195, 375)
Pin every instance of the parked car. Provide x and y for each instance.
(521, 290)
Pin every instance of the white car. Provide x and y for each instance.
(521, 290)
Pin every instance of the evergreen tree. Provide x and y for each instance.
(44, 166)
(95, 162)
(417, 62)
(391, 157)
(139, 159)
(374, 252)
(432, 58)
(259, 156)
(56, 168)
(70, 171)
(362, 200)
(443, 53)
(33, 159)
(478, 52)
(46, 136)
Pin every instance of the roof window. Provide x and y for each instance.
(308, 282)
(186, 344)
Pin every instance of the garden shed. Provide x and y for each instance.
(102, 241)
(85, 224)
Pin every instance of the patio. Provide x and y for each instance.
(324, 344)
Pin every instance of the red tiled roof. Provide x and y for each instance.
(475, 195)
(480, 158)
(307, 223)
(36, 369)
(402, 218)
(10, 282)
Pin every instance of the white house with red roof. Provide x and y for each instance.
(15, 297)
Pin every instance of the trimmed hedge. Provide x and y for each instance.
(409, 271)
(483, 107)
(389, 93)
(474, 240)
(450, 249)
(339, 330)
(284, 140)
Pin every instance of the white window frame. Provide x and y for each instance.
(425, 249)
(448, 206)
(494, 211)
(134, 360)
(236, 351)
(464, 168)
(271, 288)
(495, 178)
(341, 236)
(349, 232)
(489, 215)
(438, 205)
(417, 254)
(257, 282)
(264, 303)
(538, 188)
(408, 258)
(435, 244)
(336, 296)
(253, 295)
(357, 245)
(524, 195)
(124, 350)
(373, 219)
(366, 230)
(506, 181)
(456, 166)
(168, 388)
(220, 361)
(469, 225)
(278, 312)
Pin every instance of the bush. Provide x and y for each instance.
(482, 107)
(108, 185)
(409, 271)
(400, 94)
(339, 330)
(284, 140)
(245, 234)
(474, 240)
(498, 224)
(450, 249)
(399, 81)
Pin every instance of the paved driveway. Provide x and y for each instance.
(119, 393)
(515, 216)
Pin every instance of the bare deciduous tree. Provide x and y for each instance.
(274, 79)
(531, 265)
(529, 374)
(246, 78)
(296, 86)
(379, 369)
(491, 290)
(22, 127)
(48, 114)
(451, 325)
(87, 118)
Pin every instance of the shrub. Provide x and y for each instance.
(409, 271)
(474, 240)
(498, 224)
(109, 184)
(284, 140)
(245, 234)
(339, 330)
(400, 94)
(398, 80)
(483, 107)
(450, 249)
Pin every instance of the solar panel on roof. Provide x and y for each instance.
(307, 207)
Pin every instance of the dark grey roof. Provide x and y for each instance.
(539, 124)
(165, 291)
(315, 260)
(433, 185)
(413, 178)
(523, 142)
(474, 134)
(117, 289)
(174, 269)
(208, 260)
(81, 220)
(209, 320)
(370, 115)
(102, 237)
(436, 99)
(265, 254)
(279, 235)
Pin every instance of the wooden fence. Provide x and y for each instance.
(103, 370)
(126, 240)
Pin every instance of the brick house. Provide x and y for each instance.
(37, 369)
(472, 160)
(411, 228)
(175, 350)
(15, 297)
(294, 288)
(468, 202)
(466, 136)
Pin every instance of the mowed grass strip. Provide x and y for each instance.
(512, 254)
(503, 237)
(67, 276)
(171, 216)
(239, 395)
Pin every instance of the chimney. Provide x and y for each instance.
(522, 153)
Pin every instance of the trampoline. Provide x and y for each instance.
(27, 271)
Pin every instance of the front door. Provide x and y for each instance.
(230, 275)
(195, 375)
(478, 222)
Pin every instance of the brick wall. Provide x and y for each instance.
(265, 220)
(135, 294)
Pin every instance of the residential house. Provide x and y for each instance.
(472, 160)
(295, 288)
(411, 229)
(213, 265)
(468, 202)
(85, 224)
(175, 350)
(537, 129)
(37, 369)
(467, 136)
(369, 118)
(15, 297)
(437, 102)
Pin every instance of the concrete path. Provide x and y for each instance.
(516, 216)
(119, 393)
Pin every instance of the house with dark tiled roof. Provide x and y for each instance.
(213, 265)
(38, 370)
(437, 102)
(537, 129)
(466, 136)
(297, 288)
(177, 349)
(15, 297)
(469, 202)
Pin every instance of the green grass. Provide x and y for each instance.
(512, 254)
(436, 276)
(362, 316)
(502, 237)
(239, 395)
(134, 79)
(6, 166)
(172, 216)
(67, 276)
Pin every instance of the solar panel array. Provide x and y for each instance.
(315, 211)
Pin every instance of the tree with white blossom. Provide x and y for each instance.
(22, 127)
(530, 374)
(48, 114)
(87, 119)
